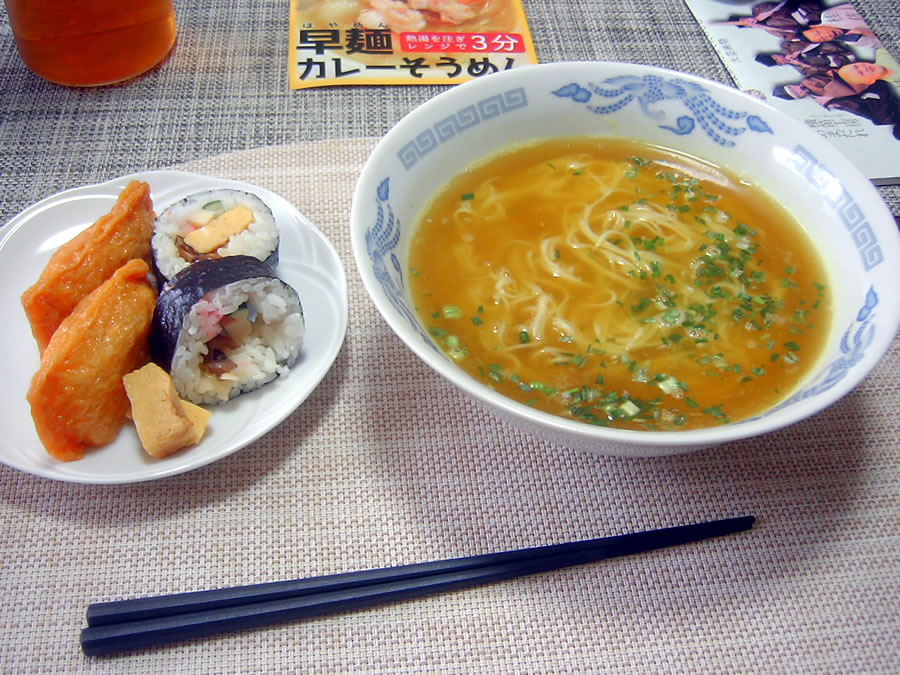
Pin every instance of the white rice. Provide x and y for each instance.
(266, 353)
(259, 240)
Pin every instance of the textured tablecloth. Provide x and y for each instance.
(225, 88)
(387, 464)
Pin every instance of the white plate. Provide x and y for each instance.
(308, 262)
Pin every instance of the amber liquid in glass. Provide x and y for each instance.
(91, 42)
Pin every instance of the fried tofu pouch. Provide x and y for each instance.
(82, 264)
(77, 397)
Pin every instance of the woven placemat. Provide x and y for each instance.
(224, 88)
(386, 464)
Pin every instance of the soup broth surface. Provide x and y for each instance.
(619, 284)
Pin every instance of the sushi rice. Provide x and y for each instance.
(269, 351)
(259, 240)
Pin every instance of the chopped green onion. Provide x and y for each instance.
(629, 408)
(671, 316)
(716, 412)
(642, 304)
(670, 386)
(451, 312)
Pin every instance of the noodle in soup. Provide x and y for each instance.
(620, 284)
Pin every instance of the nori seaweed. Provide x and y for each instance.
(186, 288)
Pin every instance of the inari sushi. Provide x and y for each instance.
(226, 326)
(82, 264)
(213, 224)
(77, 397)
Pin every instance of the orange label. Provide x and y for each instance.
(405, 41)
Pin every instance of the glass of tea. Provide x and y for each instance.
(91, 42)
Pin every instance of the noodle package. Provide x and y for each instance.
(405, 41)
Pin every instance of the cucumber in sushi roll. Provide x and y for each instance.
(226, 326)
(213, 224)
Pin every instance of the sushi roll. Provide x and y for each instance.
(226, 326)
(213, 224)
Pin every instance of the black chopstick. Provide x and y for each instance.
(143, 622)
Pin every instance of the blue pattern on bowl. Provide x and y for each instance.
(854, 343)
(460, 121)
(716, 120)
(382, 240)
(843, 203)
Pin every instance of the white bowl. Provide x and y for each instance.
(839, 207)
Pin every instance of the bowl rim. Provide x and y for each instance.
(598, 435)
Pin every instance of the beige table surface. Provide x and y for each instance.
(387, 464)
